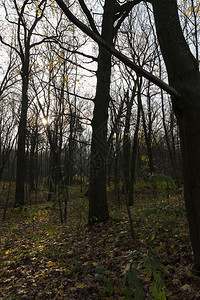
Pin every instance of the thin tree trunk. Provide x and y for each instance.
(126, 139)
(7, 200)
(148, 133)
(134, 153)
(21, 158)
(173, 162)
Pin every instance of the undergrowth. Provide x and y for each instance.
(42, 258)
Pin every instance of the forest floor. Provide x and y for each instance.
(42, 258)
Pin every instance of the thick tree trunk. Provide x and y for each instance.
(98, 207)
(190, 143)
(184, 76)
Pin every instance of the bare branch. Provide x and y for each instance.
(140, 71)
(88, 15)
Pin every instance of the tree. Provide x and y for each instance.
(25, 22)
(98, 208)
(183, 74)
(184, 80)
(25, 31)
(7, 134)
(7, 111)
(113, 16)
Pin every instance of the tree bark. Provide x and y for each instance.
(184, 76)
(98, 207)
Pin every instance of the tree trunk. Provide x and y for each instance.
(98, 207)
(21, 159)
(172, 160)
(32, 159)
(148, 131)
(127, 141)
(190, 142)
(134, 151)
(184, 76)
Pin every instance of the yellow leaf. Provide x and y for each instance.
(153, 237)
(183, 234)
(49, 263)
(186, 287)
(7, 252)
(189, 273)
(79, 285)
(108, 262)
(116, 290)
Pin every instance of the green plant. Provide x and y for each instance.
(152, 269)
(162, 182)
(101, 275)
(130, 284)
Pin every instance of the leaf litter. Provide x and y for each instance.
(41, 258)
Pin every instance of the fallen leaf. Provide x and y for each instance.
(79, 285)
(189, 273)
(186, 287)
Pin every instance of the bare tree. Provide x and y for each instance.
(183, 74)
(26, 30)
